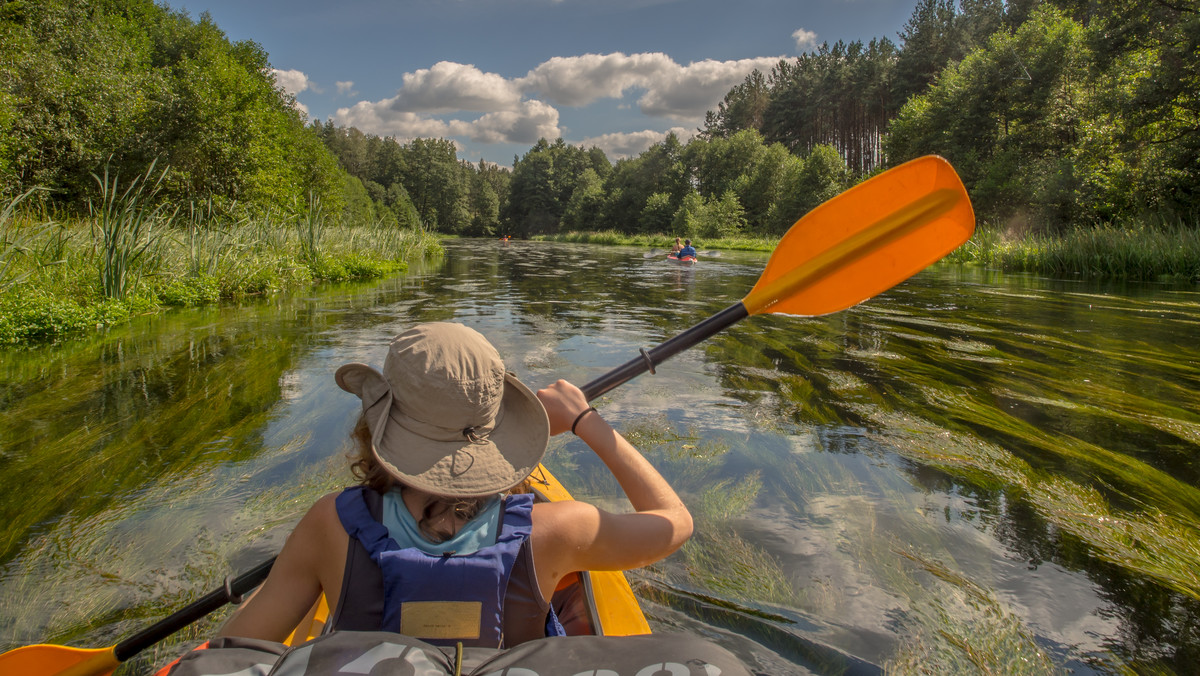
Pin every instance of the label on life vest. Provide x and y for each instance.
(441, 619)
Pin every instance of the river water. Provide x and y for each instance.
(969, 469)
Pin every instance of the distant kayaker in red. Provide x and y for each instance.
(676, 247)
(427, 542)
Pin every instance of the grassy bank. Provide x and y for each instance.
(131, 256)
(1154, 251)
(659, 241)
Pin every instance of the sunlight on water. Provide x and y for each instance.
(971, 472)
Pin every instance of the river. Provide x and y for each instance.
(971, 468)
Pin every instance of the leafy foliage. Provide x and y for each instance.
(1056, 113)
(420, 183)
(123, 83)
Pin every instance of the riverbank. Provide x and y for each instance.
(61, 278)
(1145, 253)
(660, 241)
(1148, 252)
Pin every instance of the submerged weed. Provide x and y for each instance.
(1151, 542)
(963, 629)
(721, 560)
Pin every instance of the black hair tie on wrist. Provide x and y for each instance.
(579, 417)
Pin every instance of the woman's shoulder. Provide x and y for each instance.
(323, 512)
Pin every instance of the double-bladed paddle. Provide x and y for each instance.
(854, 246)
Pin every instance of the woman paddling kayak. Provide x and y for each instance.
(444, 435)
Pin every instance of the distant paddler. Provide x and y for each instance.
(687, 254)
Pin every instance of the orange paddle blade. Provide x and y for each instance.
(866, 240)
(58, 660)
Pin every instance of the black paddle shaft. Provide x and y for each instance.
(657, 355)
(230, 593)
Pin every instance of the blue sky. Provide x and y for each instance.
(495, 75)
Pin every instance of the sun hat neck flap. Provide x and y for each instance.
(444, 414)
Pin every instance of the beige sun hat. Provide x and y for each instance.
(445, 416)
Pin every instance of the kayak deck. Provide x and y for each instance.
(592, 602)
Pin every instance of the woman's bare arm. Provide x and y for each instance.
(294, 584)
(574, 536)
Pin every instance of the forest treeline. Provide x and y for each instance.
(96, 87)
(121, 84)
(1055, 112)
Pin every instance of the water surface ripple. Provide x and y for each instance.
(970, 467)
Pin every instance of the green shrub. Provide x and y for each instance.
(33, 317)
(191, 291)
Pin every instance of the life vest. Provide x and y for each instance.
(488, 598)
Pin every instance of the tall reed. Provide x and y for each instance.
(310, 226)
(12, 245)
(207, 243)
(128, 222)
(1155, 249)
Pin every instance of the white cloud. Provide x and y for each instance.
(805, 39)
(529, 122)
(448, 87)
(682, 93)
(520, 110)
(345, 87)
(533, 120)
(619, 145)
(580, 80)
(686, 93)
(291, 81)
(379, 118)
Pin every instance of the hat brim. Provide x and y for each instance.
(460, 468)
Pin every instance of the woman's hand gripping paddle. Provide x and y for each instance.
(858, 244)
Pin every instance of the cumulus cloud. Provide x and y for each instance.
(345, 87)
(620, 145)
(449, 86)
(580, 80)
(530, 121)
(521, 110)
(291, 81)
(674, 91)
(533, 120)
(687, 92)
(805, 39)
(379, 118)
